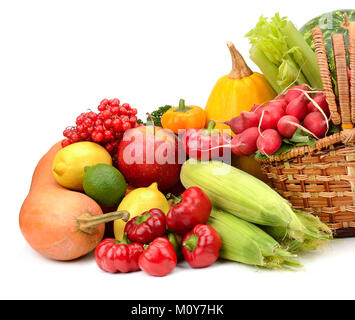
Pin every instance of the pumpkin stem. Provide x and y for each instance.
(87, 223)
(239, 67)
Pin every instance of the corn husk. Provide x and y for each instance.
(246, 197)
(246, 243)
(313, 224)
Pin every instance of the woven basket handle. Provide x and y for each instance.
(352, 69)
(342, 80)
(323, 65)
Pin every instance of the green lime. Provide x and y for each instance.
(105, 184)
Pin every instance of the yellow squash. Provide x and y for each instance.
(236, 92)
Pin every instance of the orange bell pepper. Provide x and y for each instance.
(184, 118)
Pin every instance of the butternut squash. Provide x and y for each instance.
(58, 223)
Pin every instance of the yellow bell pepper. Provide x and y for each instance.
(138, 201)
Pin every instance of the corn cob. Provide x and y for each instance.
(246, 243)
(245, 197)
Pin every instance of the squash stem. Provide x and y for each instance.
(87, 223)
(239, 67)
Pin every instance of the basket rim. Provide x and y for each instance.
(346, 137)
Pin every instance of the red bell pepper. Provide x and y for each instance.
(115, 256)
(201, 246)
(193, 208)
(159, 258)
(205, 144)
(146, 227)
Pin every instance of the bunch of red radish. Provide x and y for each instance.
(264, 126)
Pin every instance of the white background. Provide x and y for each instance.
(58, 58)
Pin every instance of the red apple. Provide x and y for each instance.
(149, 154)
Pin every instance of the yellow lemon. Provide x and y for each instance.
(69, 163)
(139, 201)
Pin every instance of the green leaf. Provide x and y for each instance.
(301, 138)
(157, 114)
(333, 129)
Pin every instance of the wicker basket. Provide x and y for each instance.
(321, 179)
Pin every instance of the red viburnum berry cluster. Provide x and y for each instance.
(105, 127)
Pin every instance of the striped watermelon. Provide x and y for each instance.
(330, 23)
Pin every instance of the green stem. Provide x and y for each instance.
(176, 244)
(87, 223)
(143, 218)
(182, 107)
(124, 240)
(191, 242)
(211, 125)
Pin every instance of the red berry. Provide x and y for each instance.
(65, 143)
(84, 135)
(126, 105)
(99, 137)
(101, 107)
(67, 132)
(99, 128)
(125, 119)
(80, 128)
(108, 123)
(75, 137)
(133, 120)
(106, 114)
(117, 124)
(109, 147)
(133, 112)
(122, 111)
(115, 110)
(98, 122)
(88, 122)
(114, 102)
(92, 115)
(126, 126)
(107, 134)
(104, 102)
(80, 120)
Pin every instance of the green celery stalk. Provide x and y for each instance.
(282, 54)
(269, 70)
(290, 72)
(308, 61)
